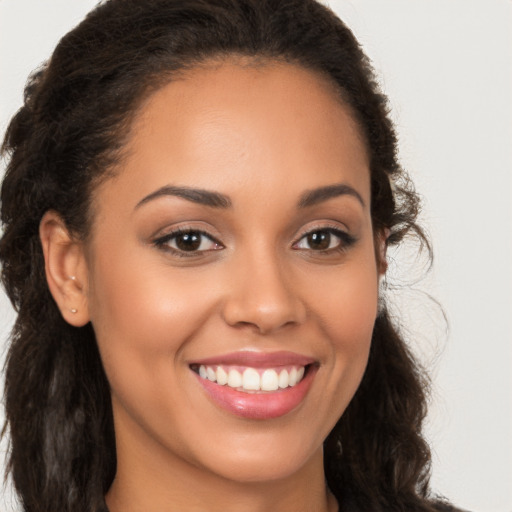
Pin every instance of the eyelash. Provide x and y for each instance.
(163, 242)
(345, 241)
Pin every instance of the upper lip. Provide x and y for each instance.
(256, 359)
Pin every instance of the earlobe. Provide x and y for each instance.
(65, 269)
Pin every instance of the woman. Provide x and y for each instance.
(196, 212)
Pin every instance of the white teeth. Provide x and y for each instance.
(210, 374)
(234, 379)
(222, 376)
(269, 380)
(292, 377)
(283, 379)
(251, 379)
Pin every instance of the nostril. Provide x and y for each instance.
(263, 316)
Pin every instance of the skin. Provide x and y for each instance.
(262, 135)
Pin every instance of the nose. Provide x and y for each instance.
(261, 295)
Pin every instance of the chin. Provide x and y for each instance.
(263, 458)
(260, 469)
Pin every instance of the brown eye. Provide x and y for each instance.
(188, 242)
(325, 240)
(319, 240)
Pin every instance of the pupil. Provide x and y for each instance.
(319, 240)
(188, 241)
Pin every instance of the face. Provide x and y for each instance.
(232, 279)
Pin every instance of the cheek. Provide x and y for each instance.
(143, 324)
(142, 318)
(348, 314)
(356, 311)
(349, 306)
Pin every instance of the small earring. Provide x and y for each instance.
(73, 278)
(73, 310)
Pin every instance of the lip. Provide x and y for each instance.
(256, 359)
(260, 405)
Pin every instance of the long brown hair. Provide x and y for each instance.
(69, 134)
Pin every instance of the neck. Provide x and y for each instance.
(152, 480)
(200, 495)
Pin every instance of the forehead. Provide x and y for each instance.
(230, 126)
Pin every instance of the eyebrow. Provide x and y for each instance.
(195, 195)
(218, 200)
(319, 195)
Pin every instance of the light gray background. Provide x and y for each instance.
(447, 67)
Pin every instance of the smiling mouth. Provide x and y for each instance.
(252, 380)
(256, 385)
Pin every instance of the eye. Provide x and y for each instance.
(188, 241)
(325, 239)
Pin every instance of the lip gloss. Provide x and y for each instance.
(260, 405)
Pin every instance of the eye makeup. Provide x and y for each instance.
(325, 239)
(186, 242)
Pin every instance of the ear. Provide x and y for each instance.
(65, 268)
(381, 250)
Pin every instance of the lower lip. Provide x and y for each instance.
(259, 406)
